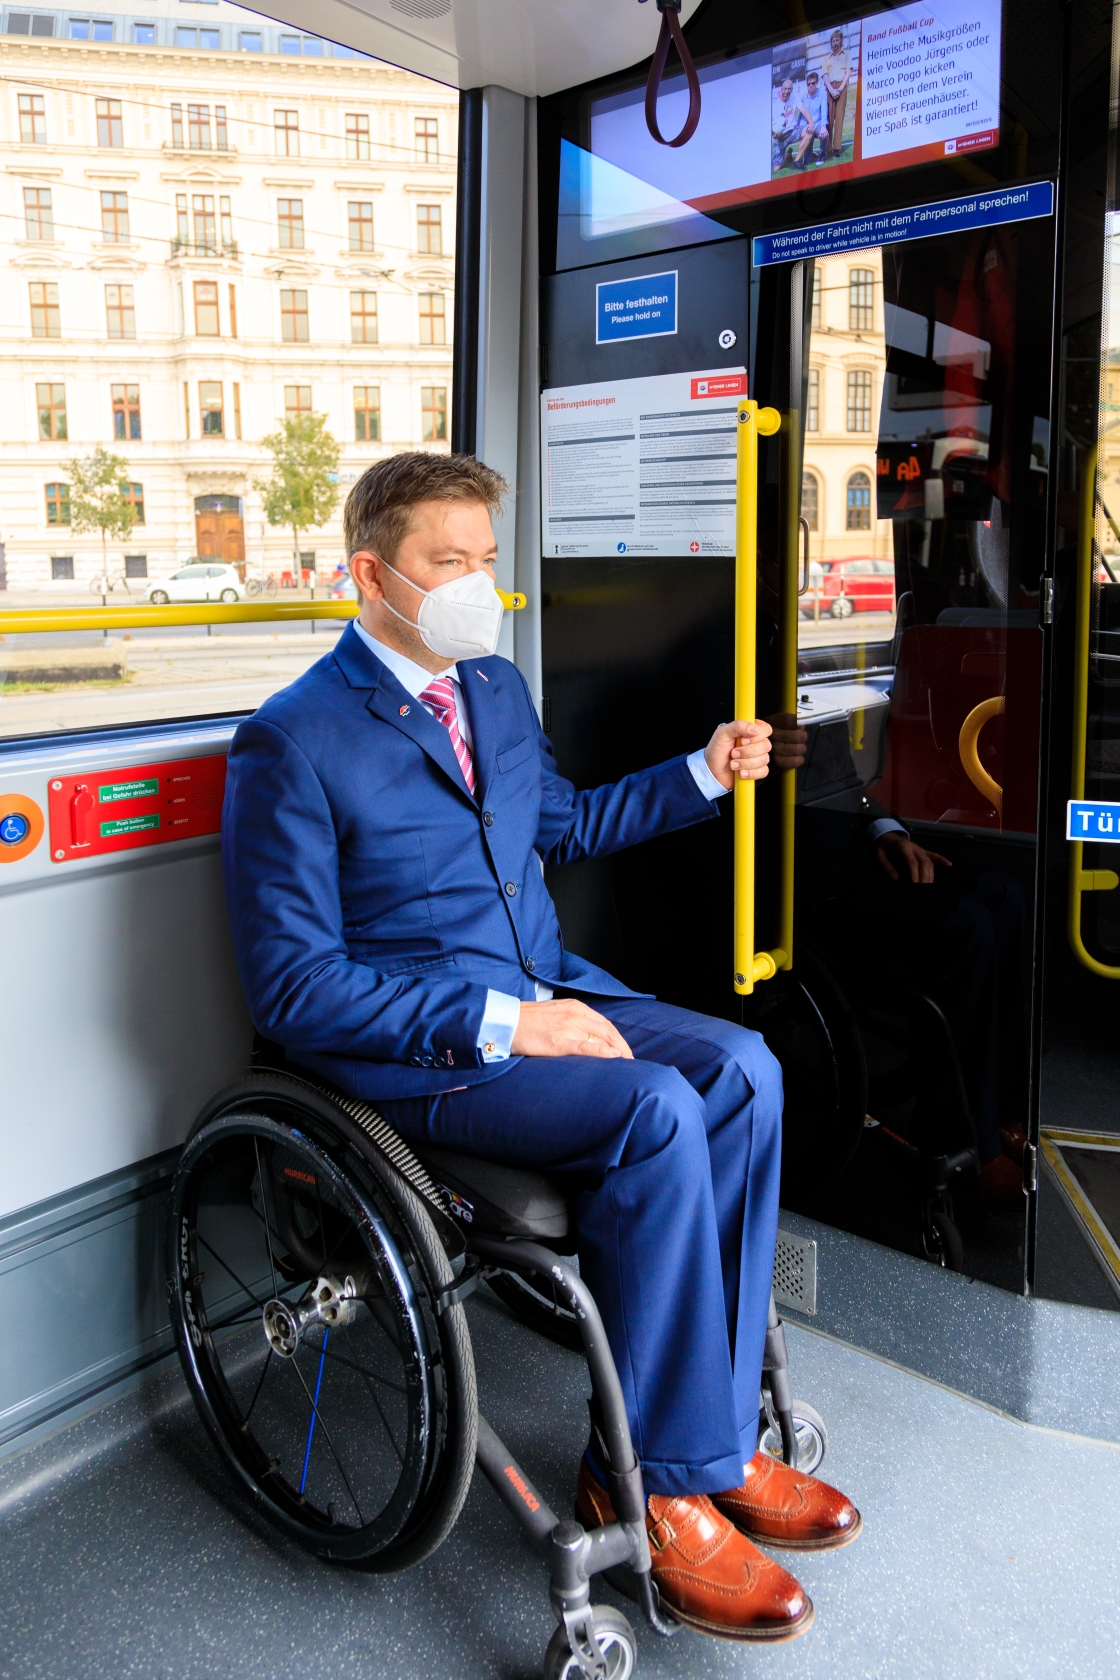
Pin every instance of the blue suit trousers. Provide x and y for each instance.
(676, 1159)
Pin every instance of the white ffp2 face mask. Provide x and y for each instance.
(461, 619)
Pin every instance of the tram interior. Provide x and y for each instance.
(938, 589)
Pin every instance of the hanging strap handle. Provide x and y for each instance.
(671, 35)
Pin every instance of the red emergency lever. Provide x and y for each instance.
(81, 813)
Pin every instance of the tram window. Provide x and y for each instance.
(186, 456)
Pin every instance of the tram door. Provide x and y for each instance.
(924, 431)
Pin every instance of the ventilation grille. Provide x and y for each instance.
(422, 8)
(795, 1273)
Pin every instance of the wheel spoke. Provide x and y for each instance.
(314, 1413)
(330, 1443)
(264, 1204)
(257, 1390)
(227, 1267)
(371, 1376)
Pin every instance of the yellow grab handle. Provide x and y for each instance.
(753, 422)
(969, 747)
(514, 602)
(1082, 880)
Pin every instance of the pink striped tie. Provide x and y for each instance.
(439, 698)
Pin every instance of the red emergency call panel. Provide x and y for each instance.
(143, 805)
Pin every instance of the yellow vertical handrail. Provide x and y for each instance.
(1082, 880)
(789, 613)
(753, 422)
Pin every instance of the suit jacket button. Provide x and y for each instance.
(488, 818)
(511, 889)
(530, 964)
(414, 1061)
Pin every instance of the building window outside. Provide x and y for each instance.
(205, 227)
(810, 501)
(363, 317)
(861, 299)
(206, 321)
(227, 223)
(22, 23)
(62, 568)
(289, 216)
(183, 234)
(144, 34)
(293, 316)
(251, 40)
(38, 214)
(177, 125)
(211, 418)
(50, 399)
(297, 400)
(114, 217)
(198, 128)
(110, 128)
(427, 139)
(359, 221)
(433, 413)
(429, 229)
(367, 413)
(817, 283)
(858, 511)
(232, 310)
(136, 565)
(357, 134)
(290, 44)
(859, 400)
(32, 119)
(236, 410)
(46, 321)
(126, 412)
(120, 312)
(186, 409)
(133, 494)
(58, 504)
(90, 29)
(221, 136)
(813, 401)
(287, 133)
(433, 319)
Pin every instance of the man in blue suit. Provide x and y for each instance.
(385, 822)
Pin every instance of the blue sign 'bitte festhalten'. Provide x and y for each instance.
(642, 307)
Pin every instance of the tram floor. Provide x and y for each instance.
(990, 1548)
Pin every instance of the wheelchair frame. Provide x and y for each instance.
(573, 1554)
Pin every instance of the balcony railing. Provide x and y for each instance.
(197, 248)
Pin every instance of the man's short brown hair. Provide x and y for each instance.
(378, 510)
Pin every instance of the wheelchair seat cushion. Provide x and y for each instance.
(499, 1200)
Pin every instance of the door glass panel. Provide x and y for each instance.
(924, 481)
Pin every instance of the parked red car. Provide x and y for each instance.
(848, 586)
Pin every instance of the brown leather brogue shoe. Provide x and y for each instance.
(779, 1506)
(708, 1574)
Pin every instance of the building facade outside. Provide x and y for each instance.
(847, 362)
(210, 223)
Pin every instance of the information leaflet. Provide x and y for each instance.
(641, 466)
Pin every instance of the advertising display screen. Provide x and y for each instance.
(884, 92)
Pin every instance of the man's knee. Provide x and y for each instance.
(667, 1116)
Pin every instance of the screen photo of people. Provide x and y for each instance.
(813, 103)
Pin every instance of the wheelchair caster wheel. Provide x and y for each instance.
(942, 1243)
(812, 1438)
(617, 1646)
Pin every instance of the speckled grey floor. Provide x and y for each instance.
(990, 1549)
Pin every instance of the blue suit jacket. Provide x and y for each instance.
(374, 902)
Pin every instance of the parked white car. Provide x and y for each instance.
(200, 581)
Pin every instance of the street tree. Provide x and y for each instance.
(99, 498)
(302, 489)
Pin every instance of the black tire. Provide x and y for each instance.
(943, 1243)
(159, 598)
(614, 1637)
(278, 1189)
(538, 1306)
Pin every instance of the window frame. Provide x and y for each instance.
(290, 226)
(431, 317)
(861, 281)
(110, 124)
(59, 501)
(295, 313)
(425, 136)
(287, 129)
(41, 214)
(124, 308)
(425, 226)
(126, 410)
(32, 108)
(360, 224)
(363, 315)
(813, 400)
(809, 480)
(112, 216)
(358, 139)
(208, 408)
(862, 510)
(52, 407)
(47, 306)
(858, 380)
(430, 403)
(366, 409)
(133, 494)
(293, 409)
(200, 302)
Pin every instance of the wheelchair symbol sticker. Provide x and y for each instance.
(21, 827)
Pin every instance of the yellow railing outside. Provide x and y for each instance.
(753, 422)
(140, 615)
(1082, 880)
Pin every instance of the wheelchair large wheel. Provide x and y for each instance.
(304, 1277)
(537, 1303)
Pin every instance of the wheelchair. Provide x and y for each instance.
(316, 1270)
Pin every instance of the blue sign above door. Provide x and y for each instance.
(643, 307)
(918, 221)
(1097, 819)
